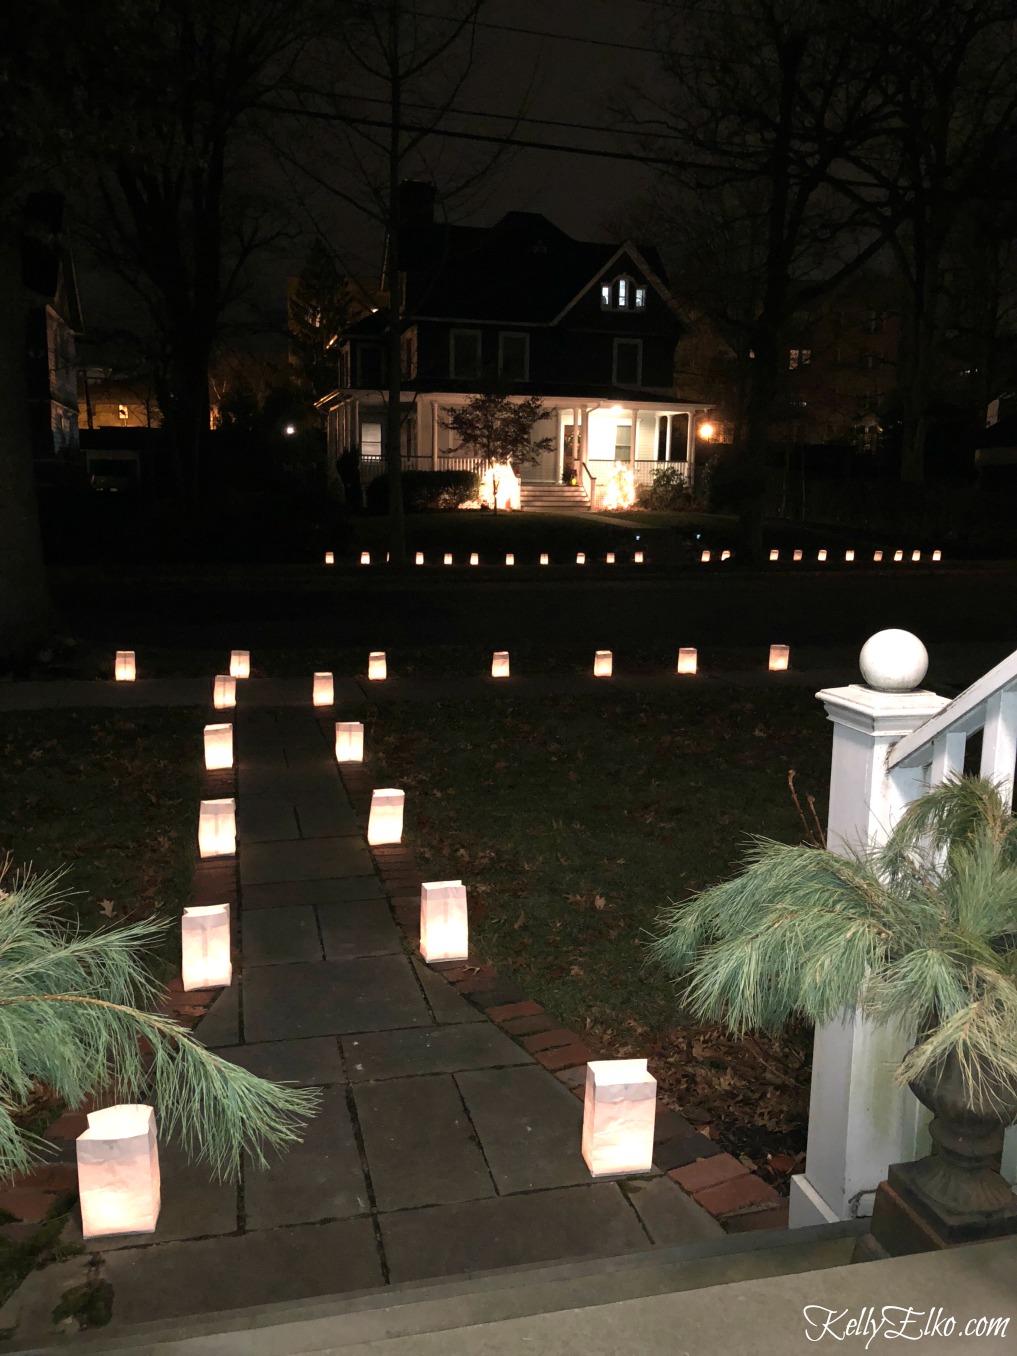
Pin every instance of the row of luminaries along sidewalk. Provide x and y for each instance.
(706, 556)
(224, 695)
(117, 1155)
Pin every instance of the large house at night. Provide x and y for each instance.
(523, 308)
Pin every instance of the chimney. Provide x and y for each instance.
(416, 204)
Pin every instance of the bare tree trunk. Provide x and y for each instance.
(25, 607)
(393, 424)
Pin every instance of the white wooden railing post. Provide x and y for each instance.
(859, 1120)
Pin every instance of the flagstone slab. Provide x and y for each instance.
(431, 1050)
(307, 1063)
(323, 998)
(266, 1266)
(221, 1024)
(448, 1006)
(306, 859)
(358, 928)
(326, 817)
(319, 1178)
(295, 893)
(265, 819)
(193, 1205)
(278, 936)
(505, 1231)
(420, 1146)
(671, 1218)
(529, 1125)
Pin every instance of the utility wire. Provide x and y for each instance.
(545, 33)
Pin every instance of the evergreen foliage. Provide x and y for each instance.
(920, 932)
(75, 1015)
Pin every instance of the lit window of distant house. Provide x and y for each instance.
(514, 356)
(370, 440)
(806, 356)
(605, 295)
(464, 354)
(628, 362)
(640, 298)
(622, 295)
(798, 357)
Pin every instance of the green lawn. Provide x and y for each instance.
(574, 821)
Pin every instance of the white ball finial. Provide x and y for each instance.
(893, 661)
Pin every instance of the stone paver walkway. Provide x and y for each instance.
(442, 1147)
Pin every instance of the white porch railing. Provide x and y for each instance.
(889, 748)
(642, 471)
(371, 466)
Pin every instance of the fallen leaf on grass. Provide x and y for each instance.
(107, 906)
(520, 921)
(600, 902)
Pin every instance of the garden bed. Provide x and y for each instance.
(573, 822)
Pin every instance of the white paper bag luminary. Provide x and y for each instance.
(618, 1116)
(877, 556)
(365, 557)
(224, 693)
(822, 555)
(377, 668)
(510, 559)
(545, 559)
(329, 557)
(849, 556)
(349, 741)
(609, 558)
(447, 558)
(474, 558)
(775, 555)
(637, 559)
(603, 663)
(500, 664)
(118, 1172)
(418, 559)
(240, 664)
(916, 556)
(937, 555)
(779, 656)
(323, 691)
(580, 557)
(205, 947)
(797, 555)
(444, 924)
(123, 668)
(898, 556)
(385, 824)
(705, 558)
(688, 660)
(217, 828)
(218, 747)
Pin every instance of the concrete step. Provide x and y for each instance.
(352, 1324)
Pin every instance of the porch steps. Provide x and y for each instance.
(405, 1316)
(541, 497)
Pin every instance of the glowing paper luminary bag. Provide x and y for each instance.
(205, 947)
(444, 922)
(385, 824)
(118, 1172)
(349, 741)
(218, 747)
(618, 1116)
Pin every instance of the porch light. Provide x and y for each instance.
(118, 1172)
(385, 824)
(916, 557)
(217, 828)
(444, 922)
(500, 664)
(688, 660)
(329, 557)
(877, 556)
(418, 559)
(637, 559)
(377, 669)
(323, 691)
(510, 559)
(619, 1110)
(349, 741)
(544, 559)
(821, 556)
(240, 664)
(609, 558)
(365, 557)
(205, 947)
(797, 555)
(898, 556)
(447, 558)
(224, 692)
(706, 431)
(937, 555)
(849, 556)
(218, 747)
(775, 555)
(603, 662)
(779, 656)
(123, 667)
(474, 558)
(705, 558)
(581, 558)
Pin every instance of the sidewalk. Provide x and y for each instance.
(442, 1146)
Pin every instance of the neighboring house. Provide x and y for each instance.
(112, 397)
(521, 307)
(54, 321)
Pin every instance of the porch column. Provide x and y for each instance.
(559, 443)
(355, 424)
(667, 441)
(860, 1121)
(690, 449)
(434, 435)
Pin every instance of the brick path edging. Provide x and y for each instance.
(737, 1198)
